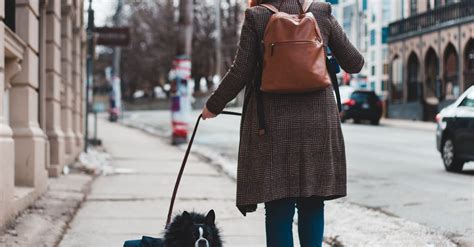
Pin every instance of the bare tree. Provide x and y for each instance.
(156, 40)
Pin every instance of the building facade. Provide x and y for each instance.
(431, 57)
(41, 96)
(366, 25)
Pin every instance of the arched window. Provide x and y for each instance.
(413, 83)
(396, 85)
(469, 64)
(451, 73)
(432, 82)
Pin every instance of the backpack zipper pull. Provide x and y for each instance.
(272, 45)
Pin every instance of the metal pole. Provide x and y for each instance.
(180, 100)
(116, 81)
(117, 50)
(218, 38)
(90, 66)
(95, 125)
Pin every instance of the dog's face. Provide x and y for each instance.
(193, 230)
(200, 233)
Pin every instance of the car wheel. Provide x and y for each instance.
(375, 121)
(357, 120)
(451, 163)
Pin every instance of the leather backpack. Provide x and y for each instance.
(294, 59)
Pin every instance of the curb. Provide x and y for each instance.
(408, 124)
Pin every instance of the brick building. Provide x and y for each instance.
(431, 53)
(41, 96)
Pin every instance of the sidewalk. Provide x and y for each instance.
(135, 203)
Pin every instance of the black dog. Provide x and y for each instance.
(193, 230)
(186, 230)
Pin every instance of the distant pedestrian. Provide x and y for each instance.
(298, 161)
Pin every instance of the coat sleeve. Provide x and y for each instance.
(348, 57)
(242, 69)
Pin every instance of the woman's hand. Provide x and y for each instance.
(207, 114)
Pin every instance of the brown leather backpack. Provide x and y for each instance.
(294, 60)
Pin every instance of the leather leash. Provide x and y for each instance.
(183, 164)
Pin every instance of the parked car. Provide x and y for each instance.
(455, 132)
(362, 105)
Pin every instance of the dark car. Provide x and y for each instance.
(362, 105)
(455, 132)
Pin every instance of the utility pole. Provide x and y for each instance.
(90, 66)
(181, 74)
(116, 94)
(218, 38)
(117, 49)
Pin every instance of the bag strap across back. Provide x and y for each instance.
(303, 7)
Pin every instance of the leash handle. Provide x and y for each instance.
(183, 164)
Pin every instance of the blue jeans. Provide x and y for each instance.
(279, 222)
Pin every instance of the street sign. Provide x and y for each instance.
(113, 36)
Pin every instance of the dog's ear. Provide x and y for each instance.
(210, 218)
(187, 219)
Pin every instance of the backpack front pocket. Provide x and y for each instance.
(294, 66)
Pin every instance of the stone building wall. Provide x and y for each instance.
(441, 52)
(41, 96)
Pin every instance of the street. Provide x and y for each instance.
(395, 170)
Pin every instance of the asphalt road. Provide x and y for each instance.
(391, 169)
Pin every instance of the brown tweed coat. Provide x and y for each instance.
(302, 153)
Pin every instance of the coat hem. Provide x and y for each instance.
(250, 208)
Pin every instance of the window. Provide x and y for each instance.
(372, 37)
(384, 35)
(468, 101)
(413, 7)
(384, 85)
(364, 5)
(333, 1)
(347, 19)
(384, 54)
(387, 6)
(396, 83)
(372, 85)
(10, 14)
(373, 70)
(385, 69)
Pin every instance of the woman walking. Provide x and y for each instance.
(299, 162)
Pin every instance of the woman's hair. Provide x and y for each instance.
(255, 2)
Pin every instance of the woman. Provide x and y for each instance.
(300, 160)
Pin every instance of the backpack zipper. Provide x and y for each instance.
(272, 45)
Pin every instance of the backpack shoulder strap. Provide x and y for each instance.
(270, 7)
